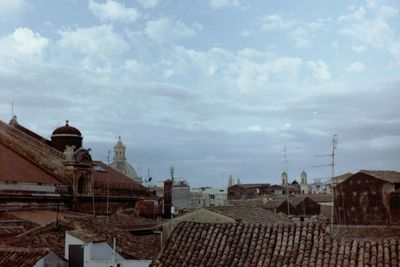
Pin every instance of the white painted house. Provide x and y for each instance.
(83, 250)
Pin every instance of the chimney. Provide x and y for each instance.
(167, 198)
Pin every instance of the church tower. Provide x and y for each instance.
(284, 178)
(303, 183)
(120, 164)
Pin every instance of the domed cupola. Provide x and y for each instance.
(66, 136)
(120, 164)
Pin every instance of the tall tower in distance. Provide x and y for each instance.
(303, 182)
(120, 164)
(284, 178)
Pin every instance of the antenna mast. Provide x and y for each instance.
(108, 182)
(334, 144)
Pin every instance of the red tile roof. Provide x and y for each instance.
(366, 232)
(246, 215)
(15, 168)
(389, 176)
(118, 181)
(21, 257)
(196, 244)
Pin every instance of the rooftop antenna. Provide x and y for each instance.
(332, 165)
(287, 180)
(108, 183)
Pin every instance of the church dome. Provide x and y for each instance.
(119, 162)
(66, 136)
(126, 168)
(66, 130)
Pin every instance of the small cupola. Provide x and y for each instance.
(66, 136)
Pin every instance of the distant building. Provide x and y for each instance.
(181, 195)
(248, 191)
(208, 197)
(120, 164)
(368, 197)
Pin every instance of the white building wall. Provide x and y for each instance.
(100, 254)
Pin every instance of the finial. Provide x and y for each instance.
(119, 138)
(66, 123)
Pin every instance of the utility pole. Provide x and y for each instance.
(332, 165)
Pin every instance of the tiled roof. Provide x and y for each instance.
(118, 181)
(21, 257)
(246, 215)
(341, 178)
(389, 176)
(256, 202)
(273, 204)
(196, 244)
(15, 168)
(366, 232)
(320, 197)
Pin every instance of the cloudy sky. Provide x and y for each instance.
(213, 87)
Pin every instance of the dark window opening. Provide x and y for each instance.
(81, 183)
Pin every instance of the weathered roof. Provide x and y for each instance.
(118, 181)
(366, 232)
(250, 186)
(342, 177)
(196, 244)
(389, 176)
(15, 168)
(254, 202)
(246, 215)
(21, 257)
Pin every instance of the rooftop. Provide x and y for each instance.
(196, 244)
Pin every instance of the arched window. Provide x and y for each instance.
(81, 184)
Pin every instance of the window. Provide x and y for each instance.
(212, 196)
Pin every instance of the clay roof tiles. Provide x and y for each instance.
(389, 176)
(21, 257)
(246, 215)
(15, 168)
(196, 244)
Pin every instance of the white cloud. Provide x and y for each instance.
(319, 69)
(275, 22)
(359, 48)
(149, 3)
(12, 9)
(99, 40)
(373, 26)
(355, 67)
(167, 30)
(301, 37)
(217, 4)
(23, 42)
(255, 128)
(135, 66)
(113, 11)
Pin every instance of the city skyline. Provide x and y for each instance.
(191, 85)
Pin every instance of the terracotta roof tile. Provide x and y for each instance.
(246, 215)
(15, 168)
(21, 257)
(117, 181)
(196, 244)
(389, 176)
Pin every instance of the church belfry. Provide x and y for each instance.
(284, 178)
(119, 151)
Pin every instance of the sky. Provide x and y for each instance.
(211, 87)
